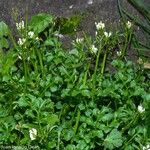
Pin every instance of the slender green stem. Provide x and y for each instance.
(38, 118)
(127, 143)
(59, 132)
(25, 69)
(128, 40)
(103, 64)
(96, 66)
(35, 65)
(85, 75)
(130, 123)
(77, 121)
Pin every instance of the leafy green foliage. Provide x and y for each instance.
(114, 139)
(40, 22)
(142, 22)
(3, 29)
(4, 32)
(66, 96)
(67, 25)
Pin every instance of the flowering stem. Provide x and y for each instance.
(103, 64)
(59, 132)
(127, 143)
(96, 66)
(127, 42)
(25, 68)
(77, 121)
(85, 75)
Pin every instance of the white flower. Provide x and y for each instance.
(141, 109)
(30, 34)
(107, 34)
(100, 25)
(19, 57)
(37, 38)
(71, 6)
(79, 40)
(118, 53)
(90, 2)
(128, 24)
(59, 35)
(146, 148)
(94, 49)
(20, 25)
(96, 33)
(21, 41)
(33, 133)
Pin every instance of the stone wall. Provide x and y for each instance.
(94, 10)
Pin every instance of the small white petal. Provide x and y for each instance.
(128, 24)
(37, 38)
(141, 109)
(79, 40)
(33, 133)
(21, 41)
(99, 25)
(71, 6)
(90, 2)
(148, 146)
(107, 34)
(20, 25)
(59, 35)
(118, 53)
(94, 49)
(31, 34)
(19, 57)
(96, 33)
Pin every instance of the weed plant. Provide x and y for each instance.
(52, 98)
(142, 21)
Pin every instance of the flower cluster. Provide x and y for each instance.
(129, 24)
(31, 34)
(33, 134)
(119, 53)
(59, 35)
(79, 40)
(90, 2)
(141, 109)
(94, 49)
(20, 25)
(107, 34)
(21, 41)
(99, 25)
(146, 147)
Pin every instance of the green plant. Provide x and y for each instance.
(4, 32)
(142, 22)
(112, 119)
(58, 99)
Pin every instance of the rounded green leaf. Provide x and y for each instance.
(3, 29)
(39, 22)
